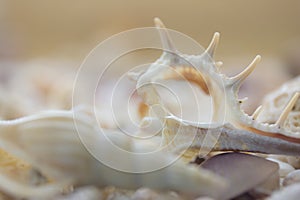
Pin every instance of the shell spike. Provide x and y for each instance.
(256, 112)
(211, 49)
(164, 36)
(287, 110)
(238, 79)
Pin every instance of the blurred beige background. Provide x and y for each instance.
(56, 30)
(34, 28)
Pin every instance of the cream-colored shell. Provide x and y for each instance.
(222, 89)
(273, 105)
(50, 142)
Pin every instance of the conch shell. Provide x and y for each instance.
(203, 70)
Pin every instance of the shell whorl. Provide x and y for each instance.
(203, 71)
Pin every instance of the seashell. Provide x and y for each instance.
(237, 167)
(49, 142)
(292, 178)
(294, 161)
(117, 195)
(85, 193)
(284, 168)
(148, 194)
(145, 194)
(290, 192)
(203, 71)
(179, 134)
(281, 158)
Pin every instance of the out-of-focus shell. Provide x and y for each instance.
(294, 161)
(85, 193)
(148, 194)
(284, 168)
(292, 178)
(291, 192)
(50, 142)
(274, 103)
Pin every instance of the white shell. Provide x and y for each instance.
(284, 168)
(49, 141)
(291, 192)
(294, 161)
(223, 90)
(292, 178)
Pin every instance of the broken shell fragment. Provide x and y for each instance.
(284, 168)
(238, 167)
(294, 161)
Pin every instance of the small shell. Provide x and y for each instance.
(292, 178)
(85, 193)
(284, 168)
(291, 192)
(279, 157)
(294, 161)
(145, 194)
(238, 167)
(148, 194)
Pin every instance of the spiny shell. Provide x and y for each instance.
(222, 89)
